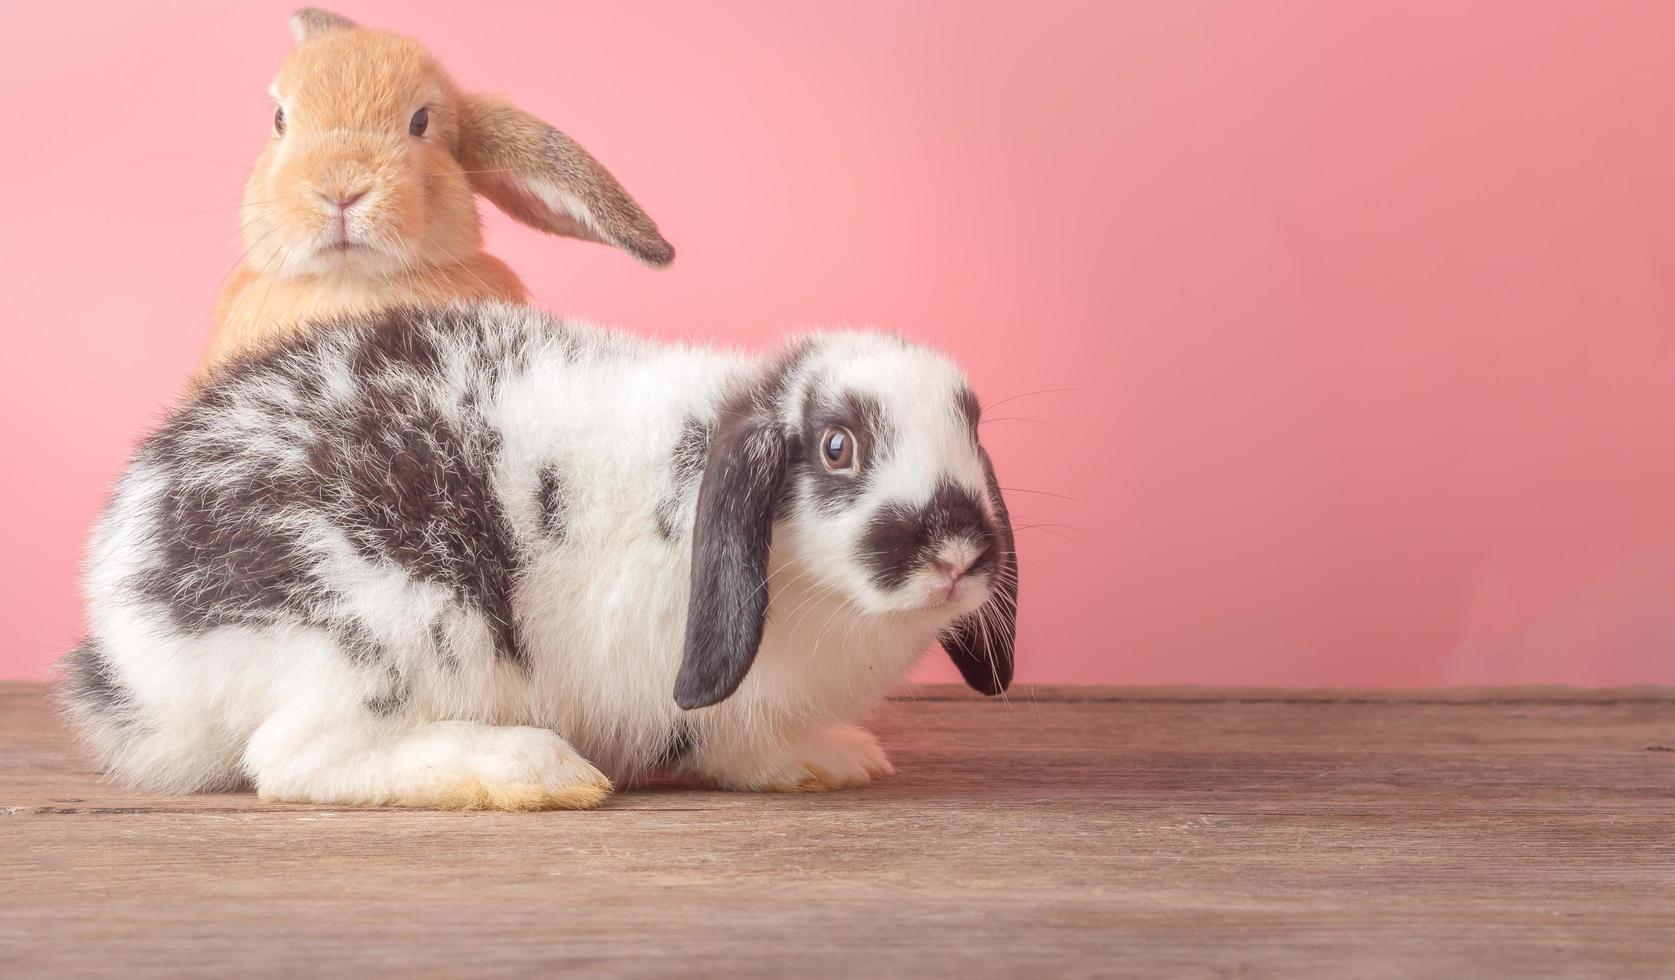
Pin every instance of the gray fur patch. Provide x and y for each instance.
(552, 497)
(686, 468)
(91, 687)
(401, 472)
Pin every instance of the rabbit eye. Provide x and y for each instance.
(279, 121)
(837, 448)
(420, 121)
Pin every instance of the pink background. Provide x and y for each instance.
(1364, 309)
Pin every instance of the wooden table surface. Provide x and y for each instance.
(1067, 832)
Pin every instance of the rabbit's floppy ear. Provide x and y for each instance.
(311, 22)
(730, 542)
(980, 643)
(546, 180)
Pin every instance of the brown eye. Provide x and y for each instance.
(279, 121)
(420, 122)
(837, 448)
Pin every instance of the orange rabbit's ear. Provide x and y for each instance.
(309, 23)
(546, 180)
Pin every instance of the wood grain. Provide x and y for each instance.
(1075, 832)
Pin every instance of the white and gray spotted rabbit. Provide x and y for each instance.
(471, 556)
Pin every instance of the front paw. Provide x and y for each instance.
(834, 758)
(841, 758)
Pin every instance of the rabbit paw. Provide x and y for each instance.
(834, 758)
(524, 769)
(449, 765)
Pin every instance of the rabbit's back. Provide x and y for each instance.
(369, 442)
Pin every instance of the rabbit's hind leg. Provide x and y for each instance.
(452, 765)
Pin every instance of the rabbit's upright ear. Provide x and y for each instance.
(311, 22)
(980, 643)
(730, 543)
(546, 180)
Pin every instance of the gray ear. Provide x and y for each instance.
(981, 643)
(311, 22)
(730, 544)
(546, 180)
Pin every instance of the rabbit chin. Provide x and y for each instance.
(359, 258)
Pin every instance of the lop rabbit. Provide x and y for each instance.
(471, 556)
(364, 197)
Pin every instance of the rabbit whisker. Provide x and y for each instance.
(1020, 418)
(1044, 493)
(1031, 394)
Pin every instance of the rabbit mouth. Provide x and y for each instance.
(957, 595)
(340, 237)
(343, 246)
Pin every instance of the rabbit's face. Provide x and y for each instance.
(360, 177)
(376, 156)
(854, 466)
(890, 496)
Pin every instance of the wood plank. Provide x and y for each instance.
(1073, 833)
(1525, 694)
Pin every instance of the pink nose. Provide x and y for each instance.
(342, 200)
(953, 572)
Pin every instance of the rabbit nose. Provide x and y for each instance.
(954, 570)
(341, 200)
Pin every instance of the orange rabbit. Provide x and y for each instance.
(364, 197)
